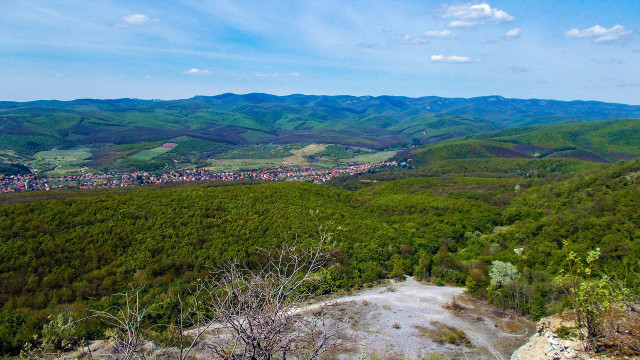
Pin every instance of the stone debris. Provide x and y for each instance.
(546, 345)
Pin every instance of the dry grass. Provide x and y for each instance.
(442, 333)
(455, 306)
(511, 327)
(621, 331)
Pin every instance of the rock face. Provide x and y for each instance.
(546, 345)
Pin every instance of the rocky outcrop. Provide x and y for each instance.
(546, 345)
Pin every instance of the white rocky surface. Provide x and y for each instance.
(546, 345)
(388, 322)
(399, 321)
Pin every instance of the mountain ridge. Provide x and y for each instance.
(303, 99)
(215, 122)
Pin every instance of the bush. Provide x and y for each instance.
(502, 273)
(60, 333)
(564, 332)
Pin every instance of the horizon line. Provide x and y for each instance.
(317, 95)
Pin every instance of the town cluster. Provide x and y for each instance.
(17, 183)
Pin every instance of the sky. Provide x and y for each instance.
(173, 49)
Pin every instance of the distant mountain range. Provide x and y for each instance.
(112, 132)
(368, 121)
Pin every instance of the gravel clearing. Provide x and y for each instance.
(403, 320)
(409, 319)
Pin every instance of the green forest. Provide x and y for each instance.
(504, 213)
(66, 252)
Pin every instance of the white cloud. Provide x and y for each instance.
(601, 34)
(462, 23)
(468, 15)
(195, 71)
(513, 33)
(137, 20)
(407, 39)
(424, 38)
(453, 59)
(439, 34)
(277, 75)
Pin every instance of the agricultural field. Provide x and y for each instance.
(301, 156)
(273, 155)
(259, 151)
(231, 165)
(9, 156)
(372, 157)
(61, 162)
(146, 155)
(298, 156)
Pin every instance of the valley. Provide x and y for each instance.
(232, 132)
(319, 180)
(458, 212)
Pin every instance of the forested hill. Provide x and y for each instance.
(374, 122)
(548, 146)
(67, 254)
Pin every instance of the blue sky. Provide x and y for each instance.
(552, 49)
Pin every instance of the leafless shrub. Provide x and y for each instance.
(454, 306)
(240, 312)
(128, 325)
(260, 313)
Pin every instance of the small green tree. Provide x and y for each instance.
(502, 273)
(60, 333)
(477, 280)
(401, 267)
(507, 288)
(423, 270)
(590, 297)
(57, 336)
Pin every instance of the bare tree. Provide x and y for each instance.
(260, 313)
(128, 325)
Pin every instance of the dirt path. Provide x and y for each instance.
(409, 320)
(405, 320)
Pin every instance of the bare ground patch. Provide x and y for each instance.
(417, 320)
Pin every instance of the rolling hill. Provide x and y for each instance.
(564, 145)
(203, 127)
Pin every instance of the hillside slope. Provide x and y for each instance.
(368, 121)
(566, 148)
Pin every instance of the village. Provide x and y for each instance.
(32, 182)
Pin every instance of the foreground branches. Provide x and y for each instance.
(128, 325)
(259, 313)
